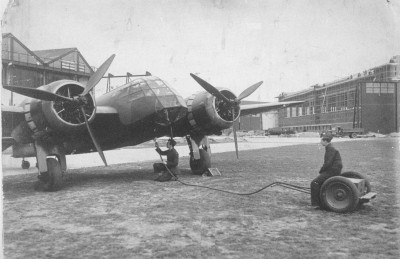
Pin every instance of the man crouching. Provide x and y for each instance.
(170, 168)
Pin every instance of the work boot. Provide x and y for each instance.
(164, 177)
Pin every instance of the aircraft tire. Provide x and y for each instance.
(339, 194)
(25, 164)
(52, 179)
(201, 165)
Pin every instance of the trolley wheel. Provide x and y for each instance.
(199, 166)
(339, 194)
(52, 179)
(25, 164)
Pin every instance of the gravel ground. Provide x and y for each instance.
(120, 212)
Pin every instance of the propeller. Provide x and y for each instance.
(209, 88)
(234, 134)
(92, 136)
(214, 91)
(78, 101)
(96, 77)
(248, 91)
(232, 102)
(36, 93)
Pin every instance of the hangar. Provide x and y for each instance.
(368, 100)
(256, 122)
(24, 67)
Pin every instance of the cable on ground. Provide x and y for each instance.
(282, 184)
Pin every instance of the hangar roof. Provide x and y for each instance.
(53, 53)
(61, 59)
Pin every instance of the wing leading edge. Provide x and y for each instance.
(246, 109)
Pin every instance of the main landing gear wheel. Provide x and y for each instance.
(52, 179)
(356, 175)
(201, 165)
(25, 164)
(339, 194)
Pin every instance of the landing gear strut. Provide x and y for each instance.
(52, 179)
(200, 159)
(50, 169)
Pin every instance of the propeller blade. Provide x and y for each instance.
(36, 93)
(234, 133)
(96, 144)
(249, 91)
(209, 88)
(96, 77)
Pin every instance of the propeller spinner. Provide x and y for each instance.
(233, 103)
(75, 105)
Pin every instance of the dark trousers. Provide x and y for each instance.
(160, 167)
(317, 183)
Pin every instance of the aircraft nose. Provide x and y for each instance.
(170, 115)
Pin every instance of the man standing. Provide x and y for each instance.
(332, 166)
(172, 162)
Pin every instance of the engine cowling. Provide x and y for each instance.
(47, 117)
(208, 114)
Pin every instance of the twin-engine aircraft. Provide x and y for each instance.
(64, 118)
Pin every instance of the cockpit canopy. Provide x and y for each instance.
(153, 86)
(143, 97)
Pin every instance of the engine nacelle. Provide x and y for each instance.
(208, 114)
(60, 116)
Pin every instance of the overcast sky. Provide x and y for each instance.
(290, 45)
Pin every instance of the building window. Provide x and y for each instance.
(390, 89)
(379, 88)
(350, 99)
(373, 88)
(331, 104)
(294, 111)
(341, 101)
(384, 88)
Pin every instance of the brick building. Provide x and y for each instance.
(368, 100)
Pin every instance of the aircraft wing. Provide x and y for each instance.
(246, 109)
(105, 115)
(12, 109)
(11, 116)
(105, 110)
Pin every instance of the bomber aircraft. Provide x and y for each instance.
(64, 117)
